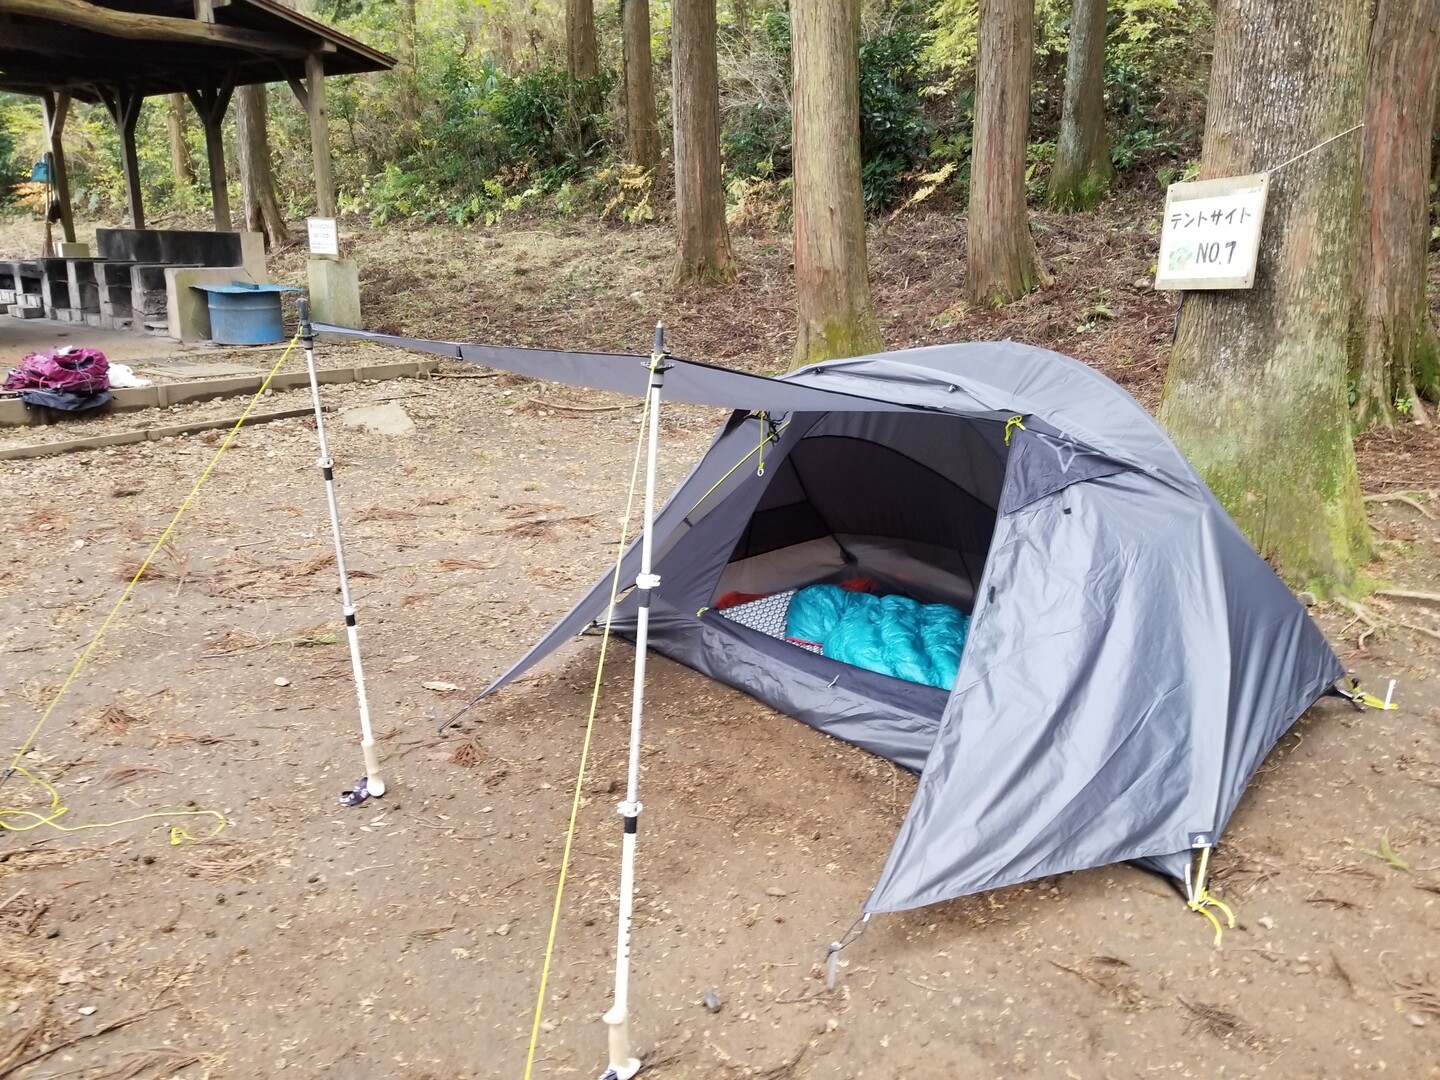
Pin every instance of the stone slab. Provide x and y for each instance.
(184, 369)
(68, 250)
(335, 291)
(185, 247)
(387, 419)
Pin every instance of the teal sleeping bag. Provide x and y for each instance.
(893, 635)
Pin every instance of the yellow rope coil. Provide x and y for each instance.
(10, 815)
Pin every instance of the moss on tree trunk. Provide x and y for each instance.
(1083, 171)
(836, 315)
(1256, 394)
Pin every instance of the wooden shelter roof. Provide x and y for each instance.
(166, 46)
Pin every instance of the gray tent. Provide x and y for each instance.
(1130, 659)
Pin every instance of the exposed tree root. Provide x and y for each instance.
(1375, 623)
(1401, 497)
(1410, 594)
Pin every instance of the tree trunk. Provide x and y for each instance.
(1393, 344)
(409, 71)
(1001, 264)
(1255, 395)
(181, 164)
(702, 249)
(1083, 171)
(832, 287)
(583, 61)
(257, 180)
(642, 130)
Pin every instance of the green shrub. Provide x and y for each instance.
(894, 131)
(12, 169)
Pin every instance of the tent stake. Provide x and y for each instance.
(371, 784)
(622, 1064)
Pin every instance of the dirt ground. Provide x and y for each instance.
(405, 937)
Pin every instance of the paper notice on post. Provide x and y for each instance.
(324, 236)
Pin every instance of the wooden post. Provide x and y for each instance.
(211, 102)
(123, 104)
(56, 106)
(319, 135)
(219, 187)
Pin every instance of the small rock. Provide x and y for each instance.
(53, 933)
(1415, 1019)
(1266, 921)
(88, 1010)
(547, 1026)
(831, 1023)
(775, 891)
(1309, 599)
(440, 687)
(70, 976)
(282, 681)
(711, 1001)
(408, 658)
(503, 930)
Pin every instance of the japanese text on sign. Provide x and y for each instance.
(1210, 236)
(324, 237)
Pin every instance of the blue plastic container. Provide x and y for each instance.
(243, 313)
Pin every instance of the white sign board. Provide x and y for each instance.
(324, 236)
(1210, 237)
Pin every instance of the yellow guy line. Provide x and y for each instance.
(176, 835)
(585, 746)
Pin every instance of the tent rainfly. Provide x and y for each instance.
(1128, 659)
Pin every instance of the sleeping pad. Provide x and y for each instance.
(893, 635)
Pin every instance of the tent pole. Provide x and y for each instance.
(622, 1065)
(371, 784)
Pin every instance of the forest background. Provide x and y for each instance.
(481, 118)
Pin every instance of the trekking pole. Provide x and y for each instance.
(622, 1065)
(371, 784)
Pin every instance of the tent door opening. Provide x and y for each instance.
(898, 511)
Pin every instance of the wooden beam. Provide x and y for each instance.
(137, 26)
(211, 102)
(301, 94)
(56, 106)
(320, 136)
(123, 103)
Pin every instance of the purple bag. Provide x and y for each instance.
(66, 369)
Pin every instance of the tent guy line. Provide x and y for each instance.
(1089, 587)
(57, 807)
(570, 829)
